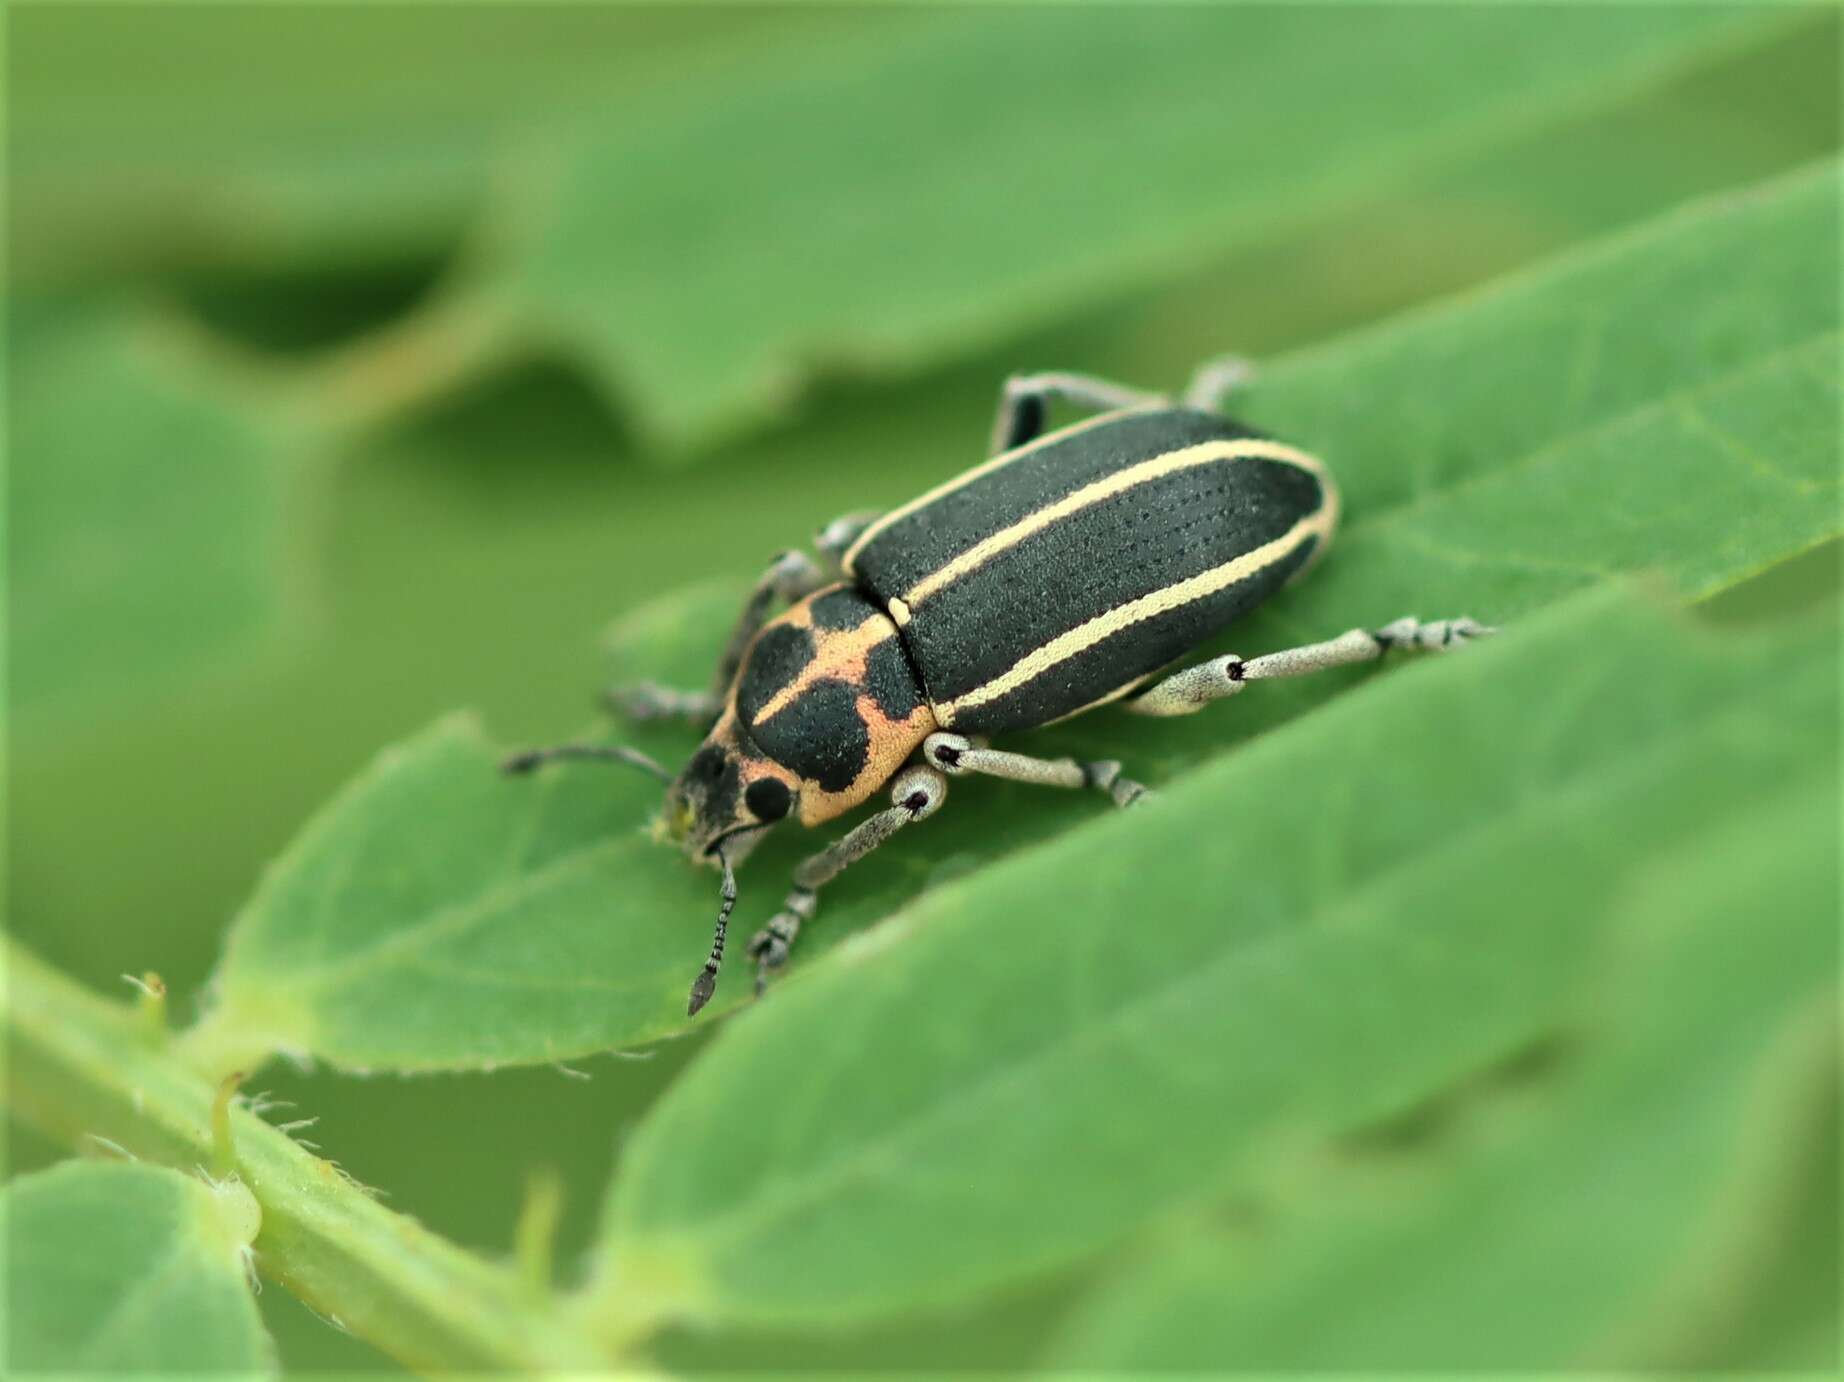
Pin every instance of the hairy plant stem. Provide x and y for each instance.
(84, 1070)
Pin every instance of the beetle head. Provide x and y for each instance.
(728, 794)
(717, 809)
(824, 708)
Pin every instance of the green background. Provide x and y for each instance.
(367, 364)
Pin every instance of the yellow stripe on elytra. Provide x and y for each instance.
(1108, 487)
(1103, 626)
(1004, 458)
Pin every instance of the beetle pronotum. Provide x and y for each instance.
(1068, 571)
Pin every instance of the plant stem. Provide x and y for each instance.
(81, 1069)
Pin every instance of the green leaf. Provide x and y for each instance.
(1662, 404)
(437, 916)
(300, 145)
(575, 179)
(899, 190)
(1632, 1218)
(1637, 329)
(117, 1267)
(89, 1072)
(1026, 1065)
(145, 515)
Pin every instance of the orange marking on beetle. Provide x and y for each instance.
(892, 741)
(838, 655)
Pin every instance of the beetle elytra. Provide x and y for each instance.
(1070, 570)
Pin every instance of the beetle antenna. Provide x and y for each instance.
(615, 753)
(706, 983)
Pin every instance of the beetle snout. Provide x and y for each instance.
(676, 817)
(700, 800)
(686, 822)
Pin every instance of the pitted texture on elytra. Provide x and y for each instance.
(1085, 530)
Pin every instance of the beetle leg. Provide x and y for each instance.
(833, 541)
(790, 576)
(1025, 403)
(956, 754)
(916, 794)
(1195, 687)
(1215, 380)
(648, 700)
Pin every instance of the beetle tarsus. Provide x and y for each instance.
(770, 946)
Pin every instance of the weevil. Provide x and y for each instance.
(1071, 570)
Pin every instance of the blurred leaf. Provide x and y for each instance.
(437, 916)
(291, 142)
(1752, 115)
(1024, 1066)
(937, 179)
(297, 155)
(127, 1268)
(145, 513)
(1619, 1223)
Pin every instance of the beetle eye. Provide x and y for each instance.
(768, 798)
(708, 763)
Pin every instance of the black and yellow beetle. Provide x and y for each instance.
(1066, 572)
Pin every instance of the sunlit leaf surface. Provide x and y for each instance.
(1301, 939)
(1588, 1217)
